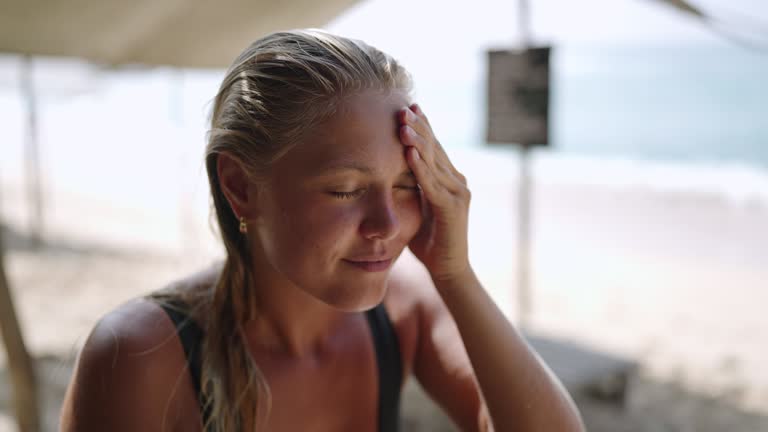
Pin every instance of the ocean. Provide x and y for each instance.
(683, 117)
(690, 103)
(706, 103)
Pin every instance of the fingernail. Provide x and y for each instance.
(415, 153)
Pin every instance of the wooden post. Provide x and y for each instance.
(20, 366)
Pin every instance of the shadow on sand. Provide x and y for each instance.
(15, 241)
(52, 374)
(649, 406)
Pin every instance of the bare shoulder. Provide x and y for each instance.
(439, 359)
(128, 374)
(410, 291)
(410, 283)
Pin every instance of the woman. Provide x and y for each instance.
(322, 172)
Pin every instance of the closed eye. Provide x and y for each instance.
(360, 192)
(413, 188)
(348, 195)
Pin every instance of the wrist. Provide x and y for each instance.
(461, 280)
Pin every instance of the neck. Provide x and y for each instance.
(289, 321)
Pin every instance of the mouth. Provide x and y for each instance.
(371, 265)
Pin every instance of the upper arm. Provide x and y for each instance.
(440, 361)
(128, 374)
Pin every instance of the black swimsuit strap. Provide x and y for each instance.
(385, 341)
(390, 367)
(191, 337)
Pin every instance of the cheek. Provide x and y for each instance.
(410, 217)
(303, 233)
(312, 229)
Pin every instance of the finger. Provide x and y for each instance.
(419, 112)
(440, 167)
(462, 178)
(414, 117)
(453, 182)
(431, 187)
(438, 186)
(426, 209)
(420, 125)
(440, 164)
(410, 118)
(445, 160)
(410, 137)
(427, 219)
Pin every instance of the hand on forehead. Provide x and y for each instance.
(362, 136)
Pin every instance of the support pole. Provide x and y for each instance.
(524, 199)
(20, 366)
(524, 22)
(32, 156)
(524, 239)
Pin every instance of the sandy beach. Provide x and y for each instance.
(673, 279)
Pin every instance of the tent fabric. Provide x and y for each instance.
(181, 33)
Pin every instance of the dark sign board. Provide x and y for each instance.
(518, 97)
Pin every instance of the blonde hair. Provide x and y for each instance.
(277, 90)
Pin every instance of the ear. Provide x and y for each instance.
(236, 186)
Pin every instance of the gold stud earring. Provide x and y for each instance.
(243, 226)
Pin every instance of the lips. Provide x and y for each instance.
(370, 265)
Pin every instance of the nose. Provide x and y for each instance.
(381, 219)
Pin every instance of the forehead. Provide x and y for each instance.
(363, 131)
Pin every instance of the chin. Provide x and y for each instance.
(356, 297)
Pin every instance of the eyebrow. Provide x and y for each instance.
(351, 166)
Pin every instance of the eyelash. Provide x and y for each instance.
(356, 193)
(348, 195)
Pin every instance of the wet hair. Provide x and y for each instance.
(276, 91)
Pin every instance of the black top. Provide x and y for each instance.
(387, 358)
